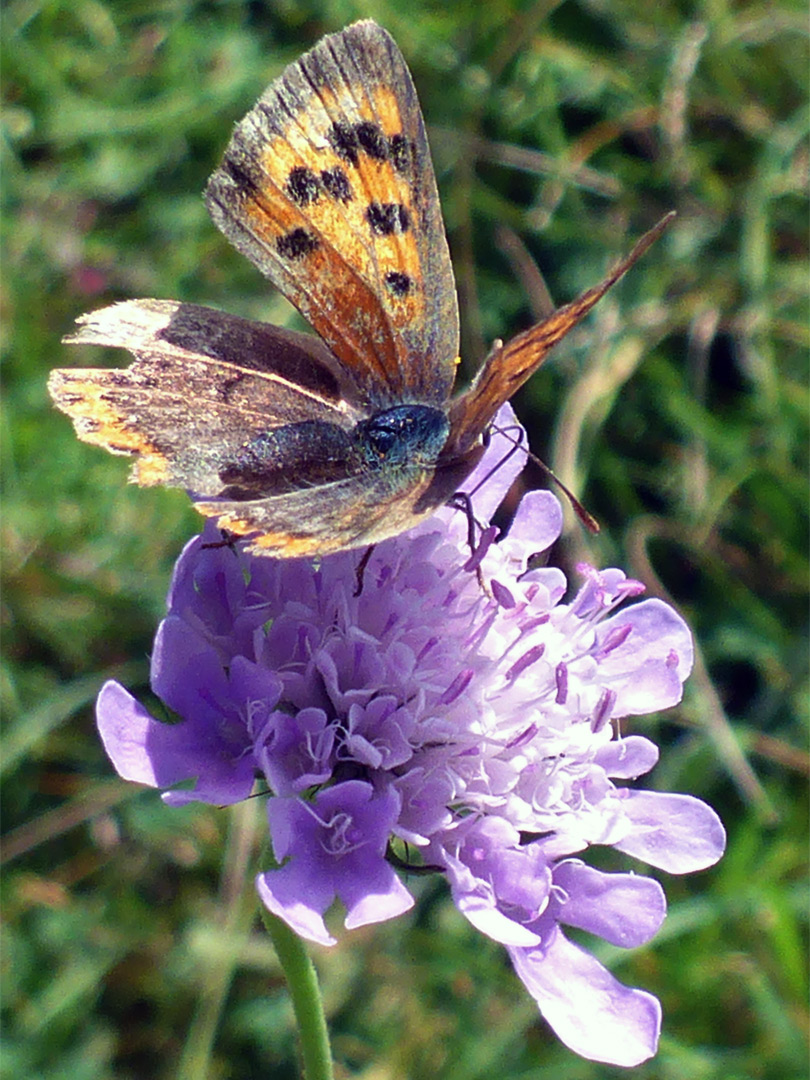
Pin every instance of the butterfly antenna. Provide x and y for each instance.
(516, 445)
(586, 519)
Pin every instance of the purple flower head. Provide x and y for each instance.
(472, 727)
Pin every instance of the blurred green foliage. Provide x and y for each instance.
(678, 412)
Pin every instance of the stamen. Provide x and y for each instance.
(502, 595)
(603, 710)
(529, 657)
(612, 640)
(457, 687)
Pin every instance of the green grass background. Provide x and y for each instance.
(560, 132)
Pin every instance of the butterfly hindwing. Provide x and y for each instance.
(347, 513)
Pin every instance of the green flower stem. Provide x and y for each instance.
(302, 981)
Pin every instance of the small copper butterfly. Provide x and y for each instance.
(306, 445)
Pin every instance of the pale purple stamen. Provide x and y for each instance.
(503, 596)
(429, 645)
(526, 660)
(530, 625)
(603, 710)
(457, 687)
(525, 736)
(612, 640)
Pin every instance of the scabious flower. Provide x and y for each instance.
(474, 726)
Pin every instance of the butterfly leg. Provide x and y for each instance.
(227, 539)
(461, 501)
(360, 572)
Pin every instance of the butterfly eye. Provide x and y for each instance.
(411, 434)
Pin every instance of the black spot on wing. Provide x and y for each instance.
(343, 139)
(402, 153)
(388, 218)
(296, 244)
(336, 184)
(371, 140)
(350, 140)
(397, 282)
(303, 186)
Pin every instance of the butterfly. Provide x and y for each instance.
(303, 444)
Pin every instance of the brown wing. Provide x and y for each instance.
(203, 384)
(510, 365)
(327, 186)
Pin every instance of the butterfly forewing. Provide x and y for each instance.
(327, 186)
(510, 365)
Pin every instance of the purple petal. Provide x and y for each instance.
(499, 885)
(377, 896)
(492, 922)
(335, 848)
(187, 672)
(590, 1011)
(503, 461)
(254, 691)
(125, 728)
(538, 522)
(297, 892)
(677, 833)
(648, 667)
(150, 752)
(647, 687)
(627, 758)
(296, 752)
(425, 797)
(207, 580)
(302, 911)
(624, 909)
(553, 585)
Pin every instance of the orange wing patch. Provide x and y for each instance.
(79, 393)
(283, 544)
(334, 196)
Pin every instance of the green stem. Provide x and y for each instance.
(302, 981)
